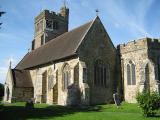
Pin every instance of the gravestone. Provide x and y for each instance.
(116, 99)
(29, 104)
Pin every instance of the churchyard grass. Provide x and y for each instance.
(17, 111)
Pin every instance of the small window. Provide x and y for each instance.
(33, 44)
(55, 25)
(42, 39)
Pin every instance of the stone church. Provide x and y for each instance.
(81, 66)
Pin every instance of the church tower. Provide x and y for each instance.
(49, 25)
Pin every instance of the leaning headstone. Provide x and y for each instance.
(116, 99)
(29, 104)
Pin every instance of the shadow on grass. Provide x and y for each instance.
(20, 113)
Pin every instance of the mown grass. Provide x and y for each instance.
(17, 111)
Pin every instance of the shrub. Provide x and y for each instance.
(149, 102)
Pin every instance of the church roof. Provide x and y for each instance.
(22, 78)
(63, 46)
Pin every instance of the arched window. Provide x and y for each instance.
(146, 87)
(131, 74)
(66, 77)
(50, 79)
(101, 74)
(128, 75)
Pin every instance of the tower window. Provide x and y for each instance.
(49, 24)
(55, 25)
(33, 43)
(42, 39)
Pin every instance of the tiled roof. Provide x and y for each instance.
(61, 47)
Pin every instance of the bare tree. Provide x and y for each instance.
(1, 13)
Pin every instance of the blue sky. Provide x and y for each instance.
(124, 20)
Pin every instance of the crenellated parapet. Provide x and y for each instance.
(154, 44)
(140, 44)
(133, 45)
(50, 14)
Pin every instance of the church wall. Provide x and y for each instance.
(22, 94)
(97, 45)
(63, 96)
(154, 56)
(137, 52)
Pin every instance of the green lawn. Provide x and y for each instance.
(127, 111)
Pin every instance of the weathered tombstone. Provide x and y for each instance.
(116, 99)
(29, 104)
(73, 98)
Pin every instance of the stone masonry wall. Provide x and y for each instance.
(22, 94)
(97, 45)
(64, 97)
(137, 52)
